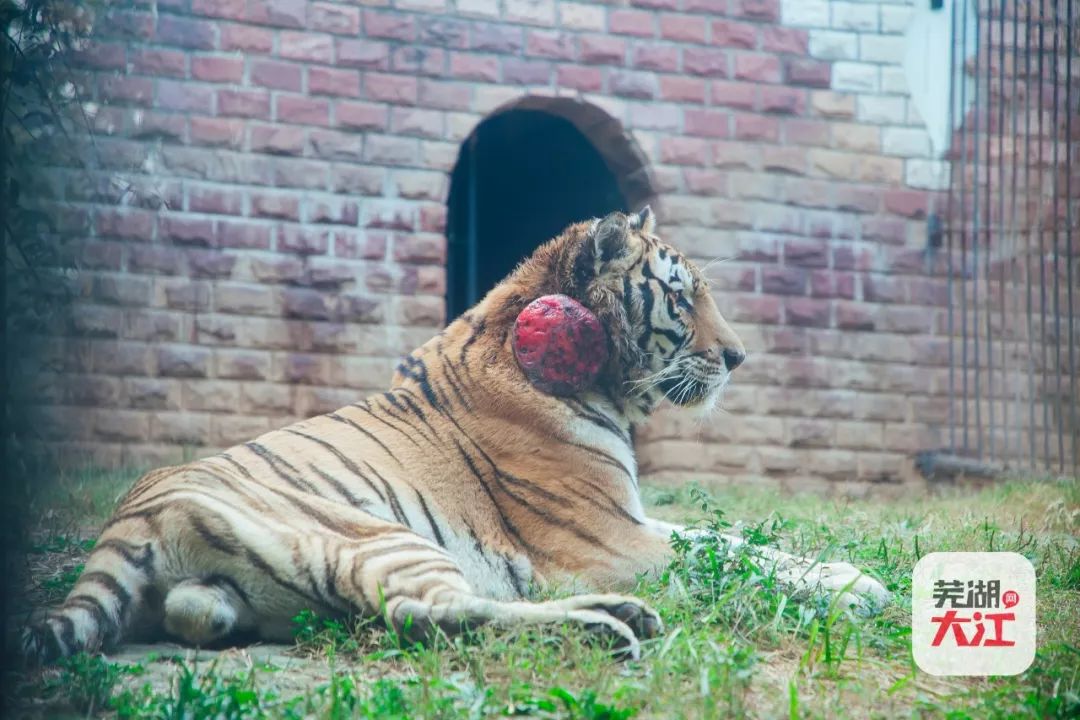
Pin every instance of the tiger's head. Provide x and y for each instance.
(668, 338)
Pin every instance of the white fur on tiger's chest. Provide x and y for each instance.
(615, 445)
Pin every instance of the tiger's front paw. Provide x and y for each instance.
(621, 611)
(642, 619)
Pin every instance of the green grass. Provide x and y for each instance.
(735, 644)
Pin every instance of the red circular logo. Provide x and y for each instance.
(1010, 598)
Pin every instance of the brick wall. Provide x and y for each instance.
(261, 230)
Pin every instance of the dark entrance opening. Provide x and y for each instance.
(521, 178)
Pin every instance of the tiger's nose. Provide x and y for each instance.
(733, 358)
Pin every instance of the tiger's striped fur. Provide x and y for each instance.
(440, 503)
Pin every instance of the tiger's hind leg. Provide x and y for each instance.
(113, 597)
(206, 611)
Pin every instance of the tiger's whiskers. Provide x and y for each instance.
(716, 260)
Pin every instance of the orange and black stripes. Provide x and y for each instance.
(349, 464)
(363, 431)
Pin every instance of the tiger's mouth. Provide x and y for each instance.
(694, 390)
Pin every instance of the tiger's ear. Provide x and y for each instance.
(609, 239)
(644, 221)
(609, 248)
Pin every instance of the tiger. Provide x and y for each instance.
(447, 502)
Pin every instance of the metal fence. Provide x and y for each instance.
(1011, 233)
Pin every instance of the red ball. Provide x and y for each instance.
(559, 344)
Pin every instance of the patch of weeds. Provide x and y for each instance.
(58, 586)
(352, 637)
(346, 697)
(62, 543)
(452, 695)
(562, 703)
(1063, 574)
(326, 636)
(198, 695)
(386, 700)
(733, 589)
(1005, 699)
(724, 680)
(828, 641)
(712, 575)
(85, 495)
(86, 682)
(1050, 687)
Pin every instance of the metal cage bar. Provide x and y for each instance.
(1011, 222)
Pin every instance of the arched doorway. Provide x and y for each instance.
(524, 174)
